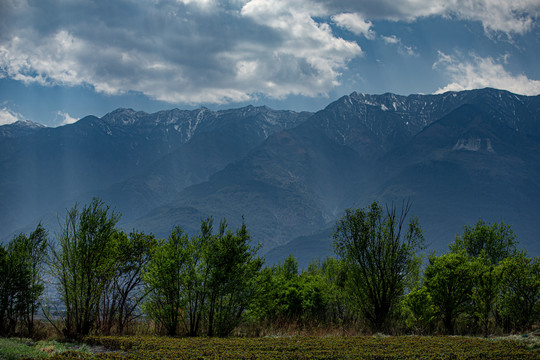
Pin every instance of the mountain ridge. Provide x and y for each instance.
(458, 156)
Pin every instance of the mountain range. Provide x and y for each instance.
(457, 157)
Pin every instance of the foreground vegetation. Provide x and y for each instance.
(17, 348)
(366, 347)
(214, 283)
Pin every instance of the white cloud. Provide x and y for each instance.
(444, 59)
(392, 39)
(214, 51)
(402, 49)
(355, 23)
(64, 118)
(8, 117)
(309, 58)
(483, 72)
(176, 50)
(204, 4)
(512, 17)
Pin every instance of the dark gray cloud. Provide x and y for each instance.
(214, 51)
(176, 51)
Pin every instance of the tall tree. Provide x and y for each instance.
(204, 282)
(449, 280)
(83, 264)
(497, 241)
(380, 251)
(124, 292)
(234, 267)
(165, 278)
(3, 290)
(519, 299)
(486, 286)
(486, 245)
(34, 248)
(21, 283)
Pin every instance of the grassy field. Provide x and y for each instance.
(363, 347)
(17, 348)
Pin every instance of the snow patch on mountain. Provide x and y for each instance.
(474, 144)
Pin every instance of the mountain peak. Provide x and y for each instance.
(28, 124)
(20, 128)
(123, 116)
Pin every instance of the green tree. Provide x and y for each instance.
(284, 295)
(34, 250)
(379, 250)
(16, 279)
(519, 299)
(165, 278)
(124, 292)
(277, 295)
(234, 267)
(486, 245)
(333, 273)
(4, 290)
(203, 281)
(83, 264)
(497, 241)
(21, 283)
(449, 280)
(485, 290)
(419, 310)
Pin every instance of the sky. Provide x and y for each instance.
(61, 60)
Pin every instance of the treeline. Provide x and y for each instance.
(214, 283)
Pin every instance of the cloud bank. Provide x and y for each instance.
(215, 51)
(511, 17)
(481, 73)
(8, 117)
(177, 51)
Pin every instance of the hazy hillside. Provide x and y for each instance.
(468, 161)
(123, 158)
(456, 156)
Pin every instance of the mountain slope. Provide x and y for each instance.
(51, 169)
(232, 135)
(456, 162)
(457, 156)
(465, 166)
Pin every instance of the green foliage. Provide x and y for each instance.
(449, 280)
(12, 349)
(166, 279)
(485, 290)
(333, 274)
(209, 283)
(24, 348)
(206, 280)
(419, 310)
(496, 241)
(519, 299)
(315, 297)
(83, 264)
(329, 347)
(381, 257)
(234, 266)
(21, 282)
(124, 292)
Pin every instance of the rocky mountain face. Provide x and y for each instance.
(457, 157)
(126, 157)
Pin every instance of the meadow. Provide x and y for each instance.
(308, 347)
